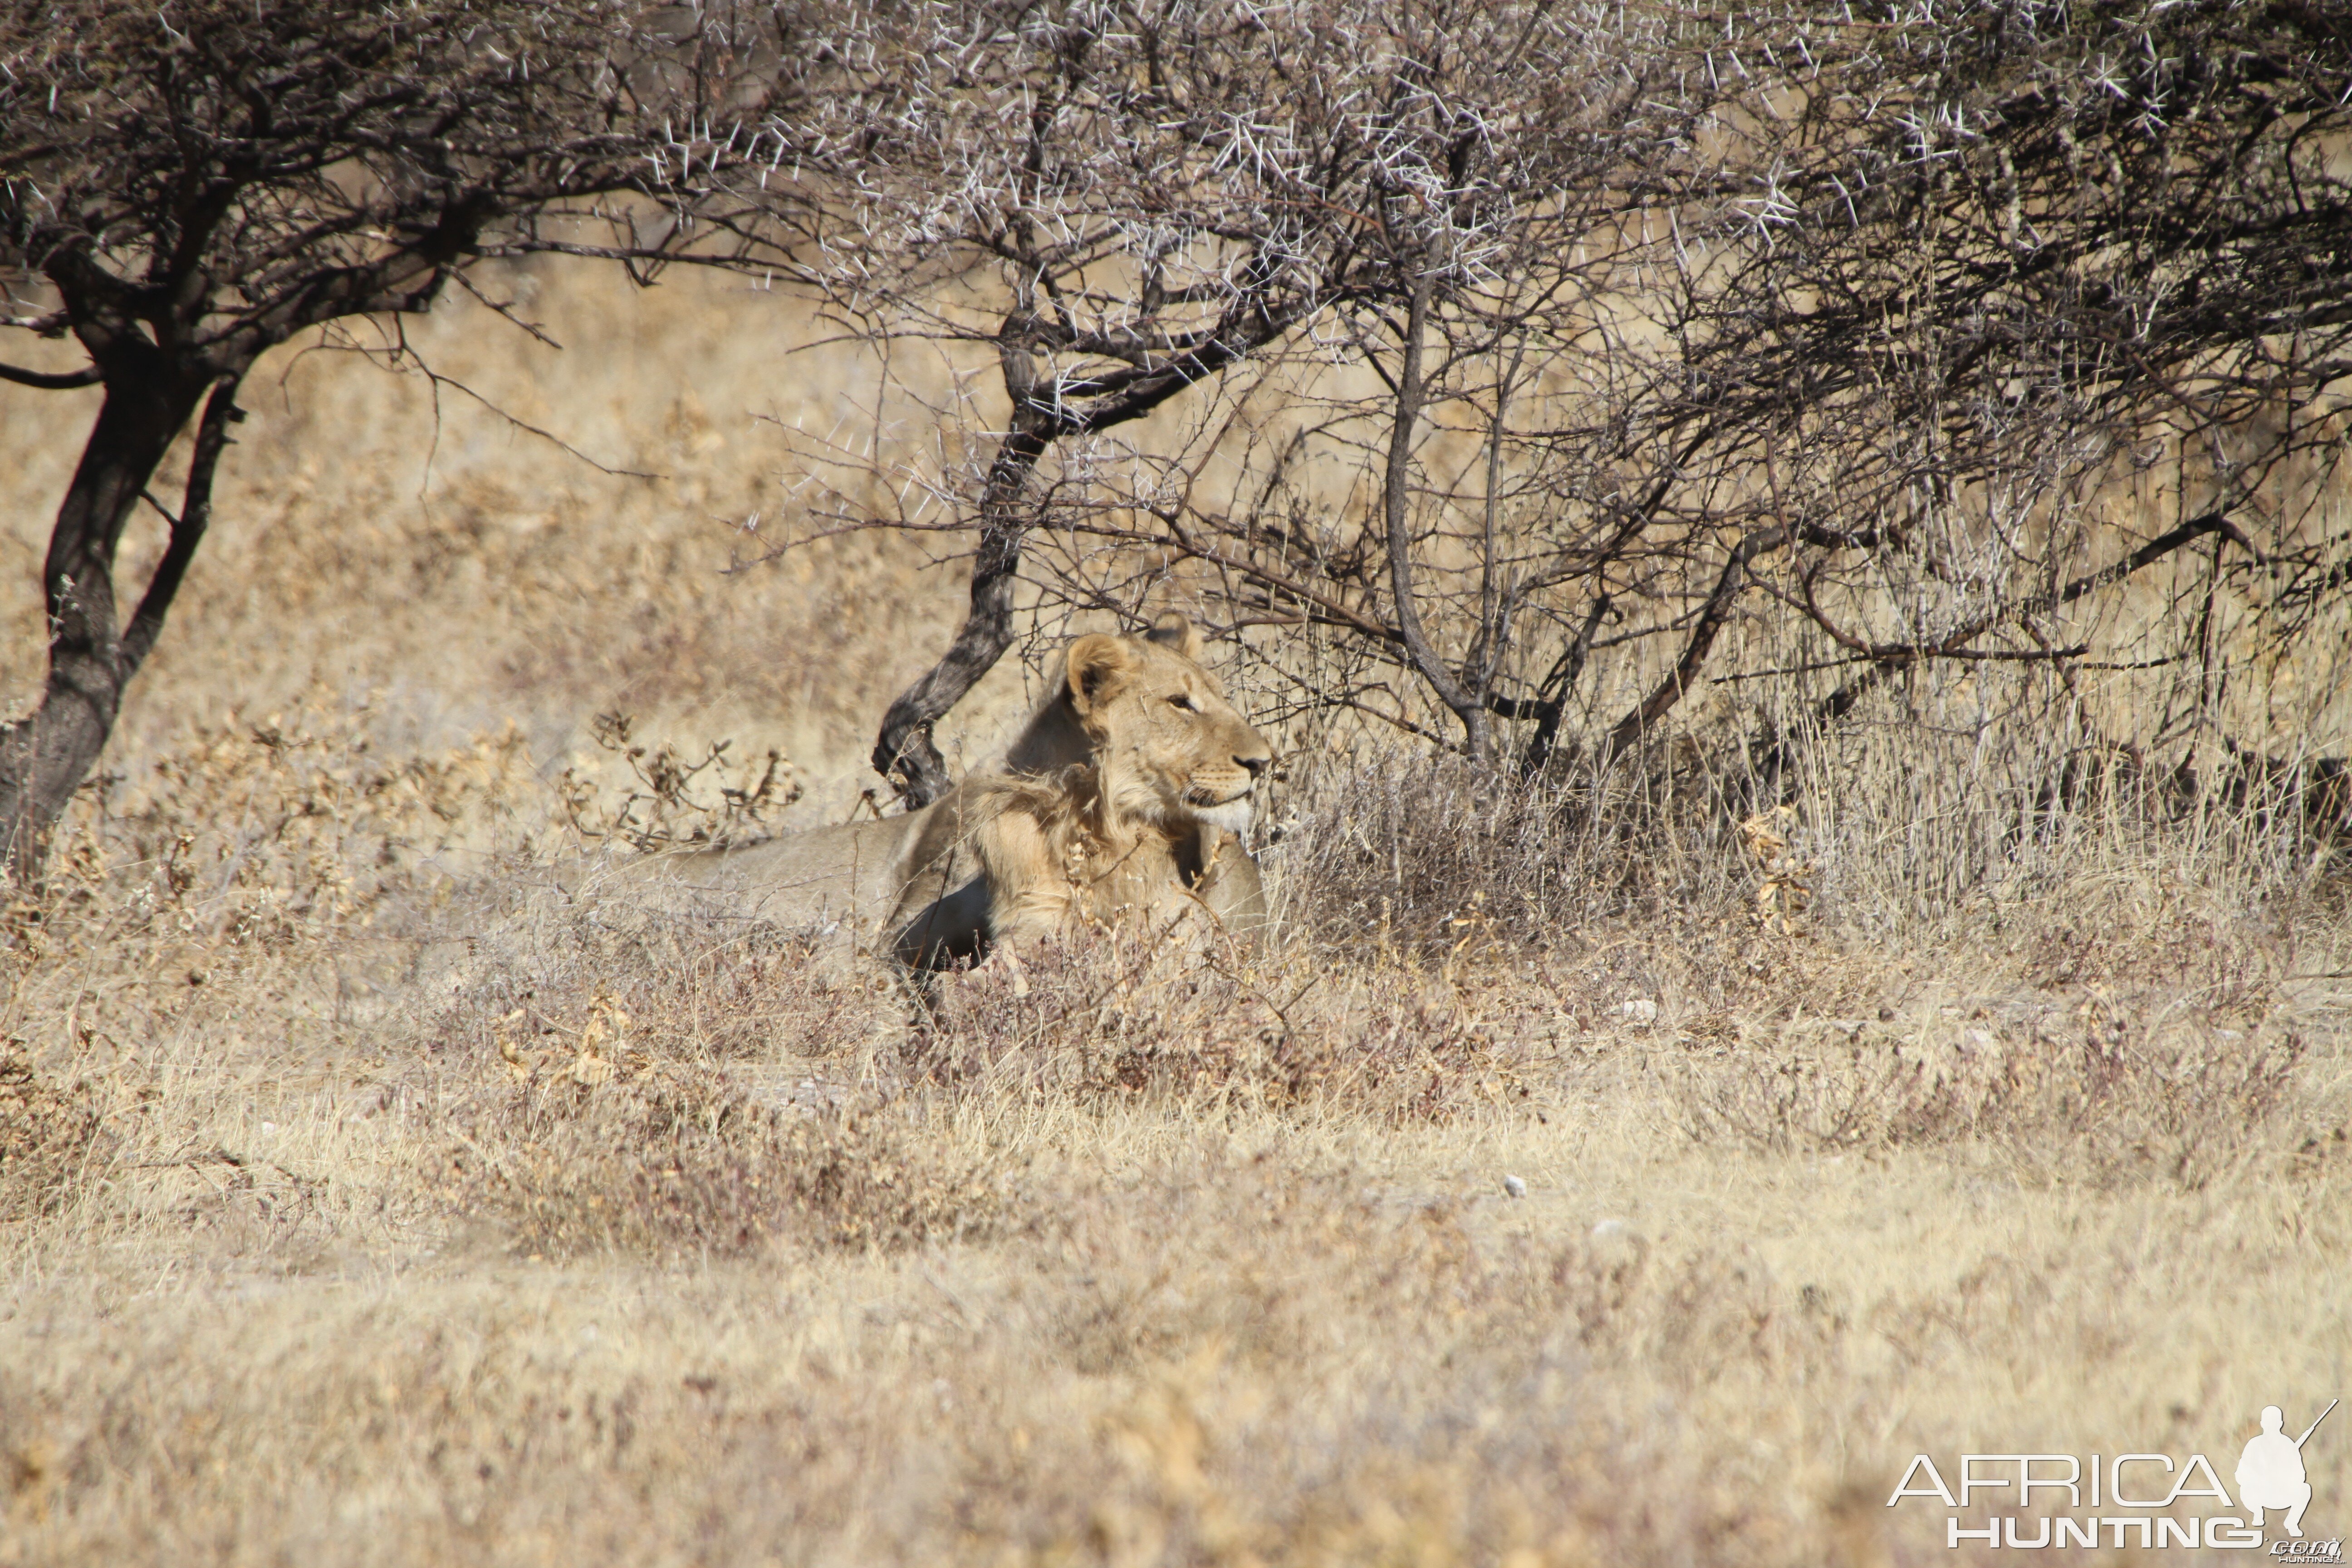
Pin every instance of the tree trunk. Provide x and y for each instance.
(1468, 706)
(905, 753)
(45, 757)
(1686, 672)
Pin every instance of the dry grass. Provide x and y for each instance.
(364, 1199)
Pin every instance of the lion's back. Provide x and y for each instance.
(850, 873)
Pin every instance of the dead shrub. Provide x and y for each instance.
(1880, 827)
(1717, 1306)
(668, 986)
(625, 1098)
(2177, 1108)
(1202, 1250)
(658, 806)
(1106, 1017)
(301, 816)
(48, 1136)
(1403, 854)
(660, 1160)
(1196, 1255)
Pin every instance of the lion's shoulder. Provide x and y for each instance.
(1055, 850)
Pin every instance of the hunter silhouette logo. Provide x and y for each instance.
(2270, 1473)
(2125, 1500)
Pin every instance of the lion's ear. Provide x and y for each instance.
(1095, 665)
(1173, 632)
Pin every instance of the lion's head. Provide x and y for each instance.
(1167, 747)
(1119, 787)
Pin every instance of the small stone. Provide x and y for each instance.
(1516, 1187)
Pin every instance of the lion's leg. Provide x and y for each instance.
(1031, 915)
(948, 928)
(1228, 881)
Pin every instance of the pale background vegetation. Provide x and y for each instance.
(364, 1199)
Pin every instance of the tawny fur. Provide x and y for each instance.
(1133, 724)
(1058, 855)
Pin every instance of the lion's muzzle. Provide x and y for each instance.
(1233, 815)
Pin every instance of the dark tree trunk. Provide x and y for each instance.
(45, 757)
(905, 753)
(187, 529)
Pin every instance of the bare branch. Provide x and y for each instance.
(52, 381)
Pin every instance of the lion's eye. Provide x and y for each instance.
(1180, 700)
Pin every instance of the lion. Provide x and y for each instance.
(1056, 855)
(1126, 791)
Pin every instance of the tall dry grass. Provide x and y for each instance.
(365, 1197)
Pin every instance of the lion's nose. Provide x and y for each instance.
(1256, 765)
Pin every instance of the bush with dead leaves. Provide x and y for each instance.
(49, 1136)
(663, 1160)
(1105, 1019)
(2100, 1096)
